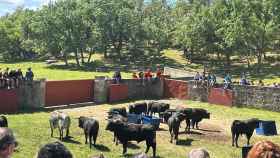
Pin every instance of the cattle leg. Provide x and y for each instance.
(124, 147)
(67, 132)
(232, 138)
(154, 146)
(171, 134)
(86, 136)
(94, 139)
(187, 125)
(51, 132)
(236, 140)
(90, 140)
(151, 142)
(248, 138)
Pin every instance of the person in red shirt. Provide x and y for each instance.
(158, 73)
(148, 74)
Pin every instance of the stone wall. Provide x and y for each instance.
(199, 93)
(32, 94)
(138, 90)
(258, 97)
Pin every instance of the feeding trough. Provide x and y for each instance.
(267, 128)
(134, 118)
(155, 121)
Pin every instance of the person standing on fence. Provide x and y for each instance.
(141, 77)
(8, 143)
(117, 77)
(6, 78)
(19, 77)
(148, 75)
(196, 79)
(227, 82)
(29, 75)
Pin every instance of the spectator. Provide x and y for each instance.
(141, 77)
(264, 149)
(198, 153)
(6, 78)
(196, 79)
(213, 80)
(244, 82)
(8, 143)
(19, 77)
(227, 82)
(158, 73)
(148, 75)
(29, 75)
(134, 76)
(117, 77)
(260, 83)
(54, 150)
(252, 83)
(275, 85)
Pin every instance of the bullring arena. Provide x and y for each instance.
(31, 125)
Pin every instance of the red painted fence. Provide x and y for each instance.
(175, 89)
(69, 92)
(220, 96)
(9, 101)
(118, 92)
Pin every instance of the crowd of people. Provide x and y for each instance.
(8, 144)
(10, 78)
(143, 76)
(210, 80)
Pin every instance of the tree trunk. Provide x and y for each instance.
(228, 62)
(82, 55)
(90, 54)
(77, 58)
(105, 53)
(65, 59)
(259, 56)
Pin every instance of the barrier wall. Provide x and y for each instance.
(220, 96)
(175, 89)
(118, 92)
(258, 97)
(69, 92)
(9, 101)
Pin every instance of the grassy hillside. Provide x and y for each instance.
(171, 58)
(32, 131)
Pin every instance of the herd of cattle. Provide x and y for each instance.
(124, 131)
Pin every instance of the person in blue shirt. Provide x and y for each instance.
(227, 81)
(29, 75)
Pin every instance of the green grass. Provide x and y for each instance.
(60, 72)
(32, 131)
(171, 58)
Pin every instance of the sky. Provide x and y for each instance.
(8, 6)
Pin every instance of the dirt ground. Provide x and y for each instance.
(211, 130)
